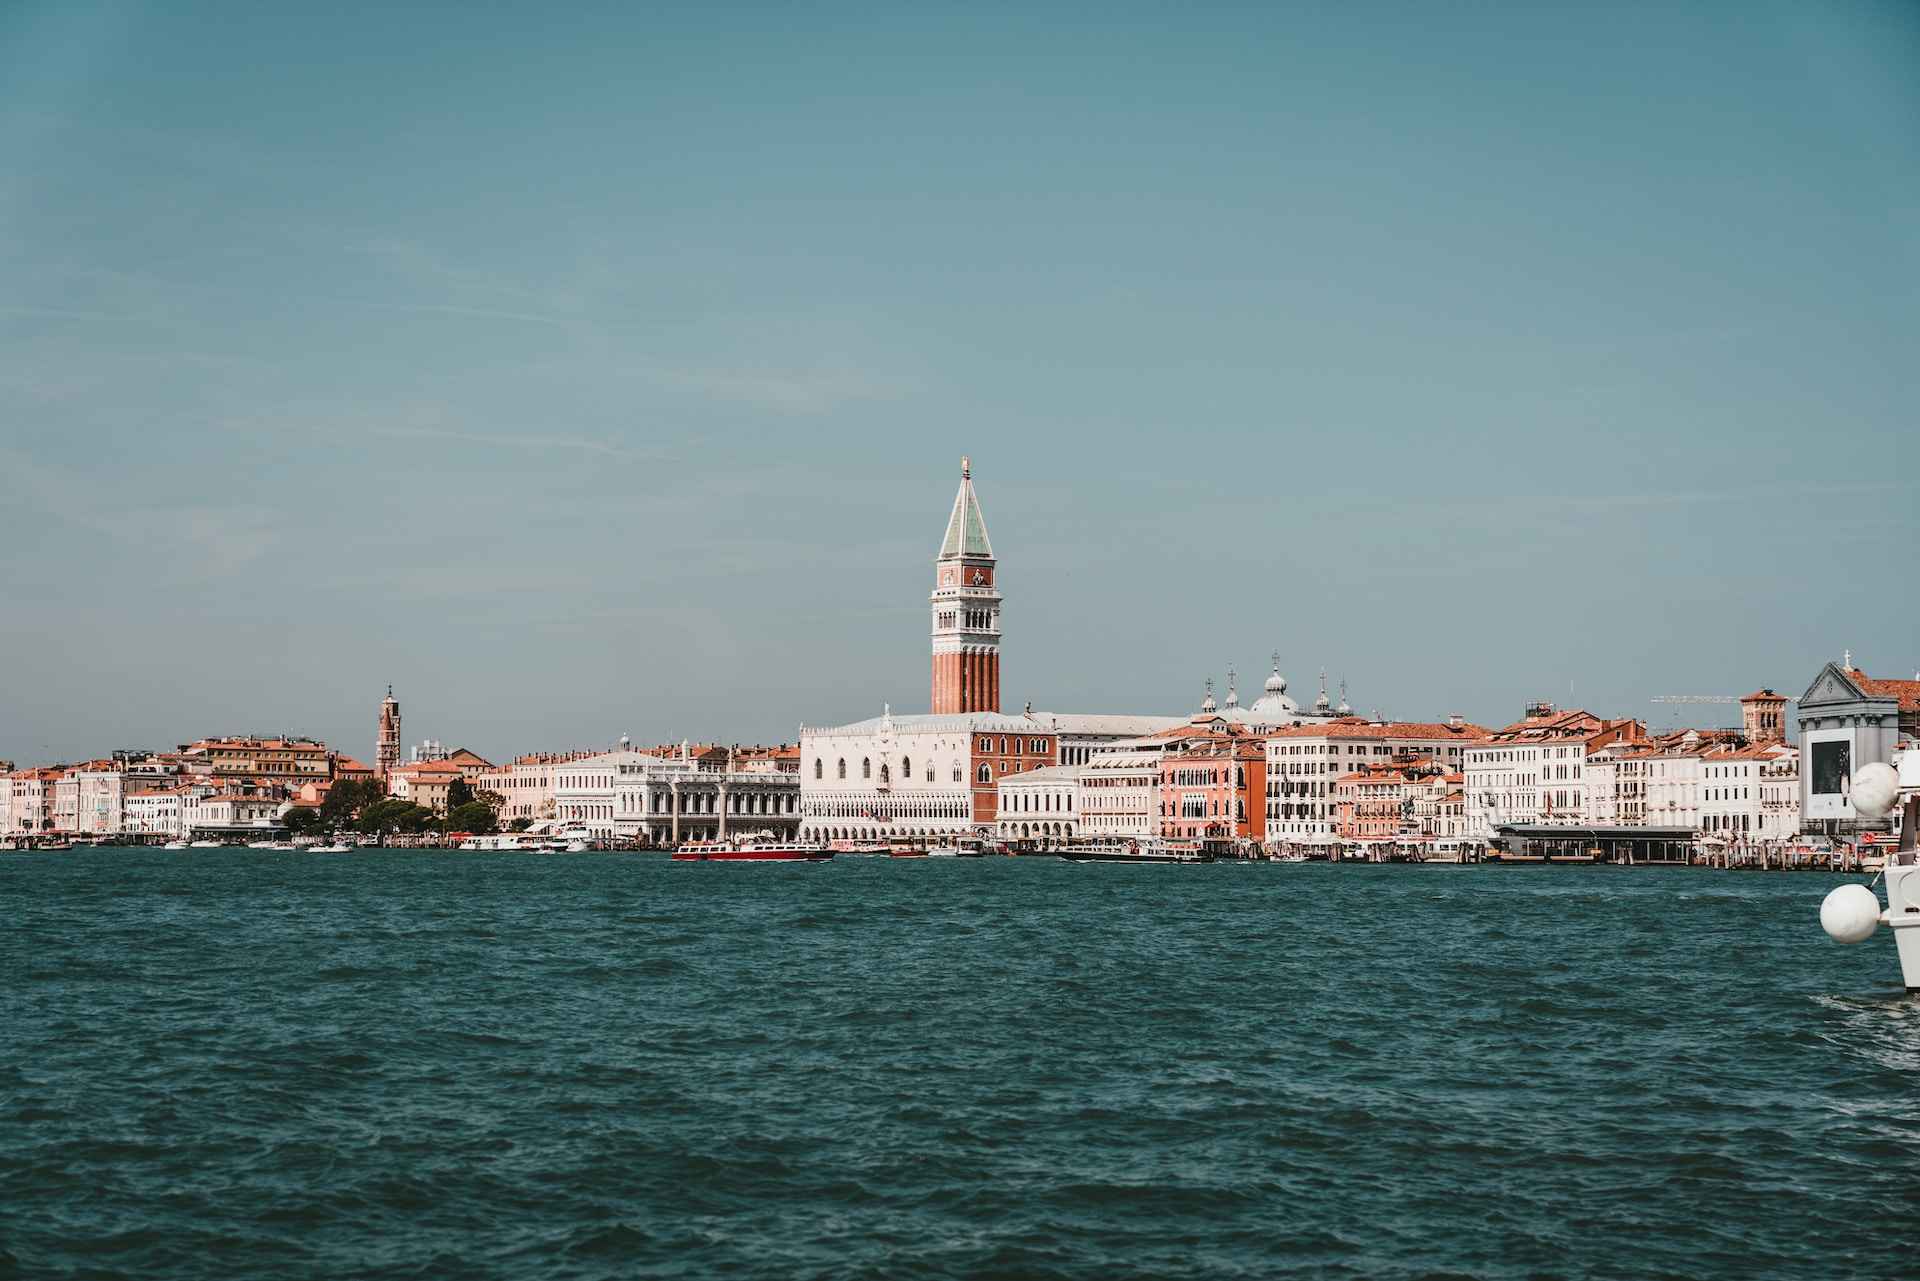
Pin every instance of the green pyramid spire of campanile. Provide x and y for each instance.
(966, 528)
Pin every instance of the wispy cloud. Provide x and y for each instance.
(532, 441)
(204, 538)
(477, 313)
(806, 391)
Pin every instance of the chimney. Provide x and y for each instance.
(1456, 721)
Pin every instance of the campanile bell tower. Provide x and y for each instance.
(966, 611)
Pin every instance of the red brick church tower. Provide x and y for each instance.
(966, 611)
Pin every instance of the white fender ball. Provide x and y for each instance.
(1875, 789)
(1850, 914)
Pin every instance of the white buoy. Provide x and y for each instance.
(1876, 788)
(1850, 914)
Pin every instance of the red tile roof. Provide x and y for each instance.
(1907, 693)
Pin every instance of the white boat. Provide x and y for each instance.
(516, 842)
(577, 847)
(1146, 851)
(205, 845)
(174, 845)
(329, 849)
(966, 847)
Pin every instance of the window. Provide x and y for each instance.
(818, 772)
(986, 773)
(956, 772)
(906, 768)
(866, 767)
(843, 767)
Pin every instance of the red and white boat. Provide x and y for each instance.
(751, 849)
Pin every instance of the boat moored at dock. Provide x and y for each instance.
(1136, 851)
(752, 849)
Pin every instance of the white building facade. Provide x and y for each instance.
(156, 811)
(1041, 804)
(916, 778)
(1120, 795)
(663, 801)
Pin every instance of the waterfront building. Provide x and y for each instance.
(1743, 793)
(1534, 771)
(1848, 719)
(66, 801)
(1674, 780)
(1304, 761)
(1375, 804)
(99, 795)
(386, 751)
(32, 800)
(157, 811)
(1120, 795)
(663, 801)
(6, 799)
(229, 809)
(424, 783)
(1041, 803)
(525, 784)
(1439, 805)
(966, 611)
(287, 761)
(1213, 786)
(915, 777)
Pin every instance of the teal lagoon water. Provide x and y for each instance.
(396, 1064)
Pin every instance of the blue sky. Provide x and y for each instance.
(605, 369)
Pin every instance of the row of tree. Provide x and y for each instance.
(365, 807)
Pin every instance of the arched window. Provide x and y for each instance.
(866, 767)
(986, 773)
(906, 769)
(885, 775)
(956, 772)
(929, 773)
(843, 767)
(819, 770)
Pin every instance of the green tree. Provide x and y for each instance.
(520, 825)
(348, 799)
(302, 820)
(474, 816)
(393, 815)
(459, 792)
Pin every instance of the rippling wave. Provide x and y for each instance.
(409, 1064)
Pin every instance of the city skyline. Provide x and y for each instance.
(1466, 361)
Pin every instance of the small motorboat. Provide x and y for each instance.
(335, 848)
